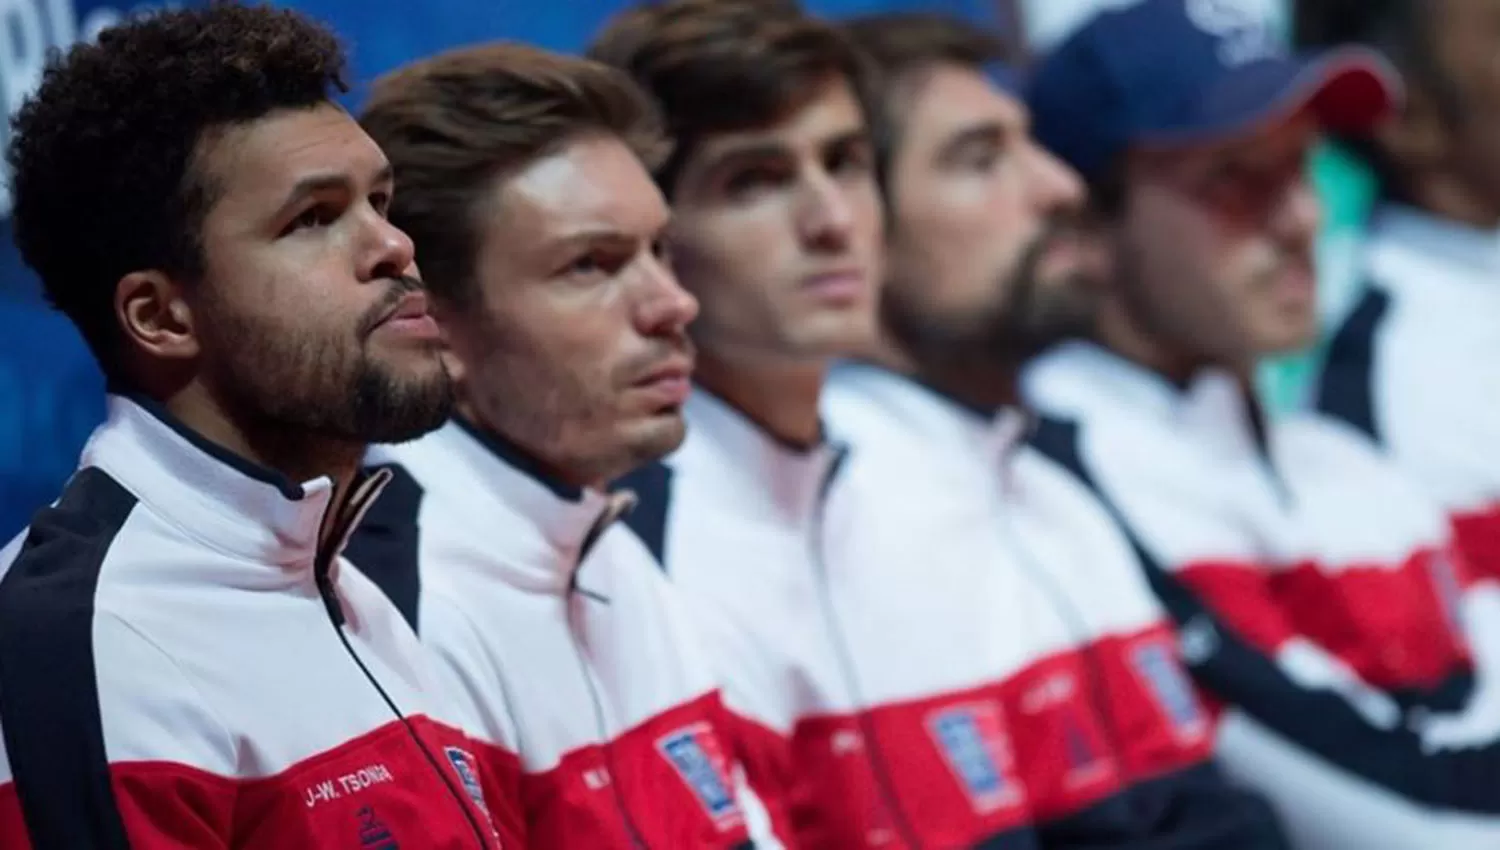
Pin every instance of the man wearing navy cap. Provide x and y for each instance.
(1320, 595)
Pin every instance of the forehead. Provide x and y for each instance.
(262, 160)
(944, 99)
(831, 110)
(592, 184)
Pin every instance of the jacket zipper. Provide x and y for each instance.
(619, 504)
(874, 753)
(345, 519)
(1074, 622)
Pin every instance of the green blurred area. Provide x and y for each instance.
(1347, 191)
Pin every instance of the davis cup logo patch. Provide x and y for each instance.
(694, 752)
(972, 740)
(1157, 666)
(468, 774)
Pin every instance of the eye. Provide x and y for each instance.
(584, 265)
(978, 156)
(661, 250)
(851, 160)
(381, 201)
(320, 215)
(757, 177)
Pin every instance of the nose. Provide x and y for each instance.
(1054, 186)
(387, 252)
(666, 308)
(1296, 217)
(825, 218)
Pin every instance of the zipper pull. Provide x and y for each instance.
(344, 518)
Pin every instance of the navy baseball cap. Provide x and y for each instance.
(1170, 73)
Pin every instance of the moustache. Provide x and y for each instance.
(669, 346)
(380, 310)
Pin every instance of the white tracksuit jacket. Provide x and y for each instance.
(563, 643)
(911, 673)
(183, 665)
(1320, 592)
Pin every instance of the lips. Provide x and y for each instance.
(674, 369)
(409, 317)
(413, 305)
(837, 285)
(669, 384)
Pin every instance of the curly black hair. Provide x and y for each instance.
(101, 157)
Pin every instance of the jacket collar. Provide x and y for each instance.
(1405, 242)
(538, 529)
(761, 475)
(212, 495)
(934, 417)
(1084, 381)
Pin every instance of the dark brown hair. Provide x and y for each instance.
(101, 157)
(718, 66)
(455, 123)
(1406, 32)
(900, 44)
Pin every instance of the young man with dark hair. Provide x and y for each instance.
(1319, 593)
(525, 185)
(1409, 363)
(983, 270)
(184, 658)
(775, 229)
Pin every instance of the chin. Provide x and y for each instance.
(846, 334)
(656, 436)
(1288, 340)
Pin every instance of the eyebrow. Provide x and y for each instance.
(606, 233)
(852, 136)
(315, 183)
(750, 151)
(746, 152)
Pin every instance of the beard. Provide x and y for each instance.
(1029, 316)
(330, 386)
(569, 416)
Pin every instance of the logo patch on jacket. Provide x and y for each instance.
(373, 833)
(694, 752)
(972, 740)
(468, 774)
(1157, 666)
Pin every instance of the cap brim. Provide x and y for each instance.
(1350, 90)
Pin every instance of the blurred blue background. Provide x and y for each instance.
(50, 393)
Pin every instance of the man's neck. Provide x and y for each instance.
(781, 397)
(295, 454)
(534, 462)
(979, 381)
(1120, 333)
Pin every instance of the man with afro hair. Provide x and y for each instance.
(183, 661)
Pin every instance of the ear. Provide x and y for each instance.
(1417, 137)
(155, 317)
